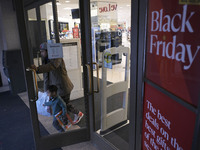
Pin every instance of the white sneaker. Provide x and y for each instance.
(78, 117)
(68, 126)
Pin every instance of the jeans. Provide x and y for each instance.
(70, 107)
(57, 125)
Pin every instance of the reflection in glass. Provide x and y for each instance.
(69, 34)
(33, 31)
(46, 14)
(110, 23)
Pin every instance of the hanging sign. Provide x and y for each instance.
(108, 8)
(55, 50)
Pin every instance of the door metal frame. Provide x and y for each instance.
(60, 139)
(134, 73)
(136, 98)
(96, 139)
(136, 87)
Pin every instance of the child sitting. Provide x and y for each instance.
(57, 105)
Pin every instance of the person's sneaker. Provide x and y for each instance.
(78, 117)
(68, 126)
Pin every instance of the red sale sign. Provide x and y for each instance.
(167, 125)
(173, 48)
(75, 32)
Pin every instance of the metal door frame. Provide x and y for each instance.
(60, 139)
(135, 80)
(134, 85)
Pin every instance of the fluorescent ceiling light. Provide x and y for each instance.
(67, 1)
(67, 8)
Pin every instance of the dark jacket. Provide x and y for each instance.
(55, 73)
(57, 105)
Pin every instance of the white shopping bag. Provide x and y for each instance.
(42, 98)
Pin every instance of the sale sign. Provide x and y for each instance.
(167, 125)
(76, 32)
(173, 48)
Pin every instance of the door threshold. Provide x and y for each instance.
(112, 129)
(118, 137)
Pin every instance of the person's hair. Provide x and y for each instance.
(52, 88)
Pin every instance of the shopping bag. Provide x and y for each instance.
(42, 98)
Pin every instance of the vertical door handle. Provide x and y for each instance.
(89, 79)
(35, 83)
(38, 58)
(98, 82)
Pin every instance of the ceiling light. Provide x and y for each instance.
(67, 1)
(128, 5)
(58, 3)
(67, 8)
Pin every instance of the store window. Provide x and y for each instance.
(110, 24)
(68, 19)
(33, 31)
(47, 23)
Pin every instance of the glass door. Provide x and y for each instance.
(110, 23)
(47, 25)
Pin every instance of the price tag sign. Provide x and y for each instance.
(55, 50)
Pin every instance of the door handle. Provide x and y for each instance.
(35, 83)
(38, 58)
(89, 79)
(98, 82)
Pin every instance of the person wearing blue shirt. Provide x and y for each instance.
(57, 105)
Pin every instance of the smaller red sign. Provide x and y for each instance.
(167, 125)
(75, 32)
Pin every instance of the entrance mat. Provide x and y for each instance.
(15, 125)
(119, 138)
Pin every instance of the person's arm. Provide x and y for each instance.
(52, 65)
(63, 106)
(47, 103)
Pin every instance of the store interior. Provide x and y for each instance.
(110, 25)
